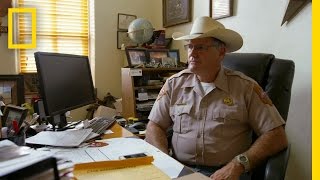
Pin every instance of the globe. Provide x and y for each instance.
(140, 30)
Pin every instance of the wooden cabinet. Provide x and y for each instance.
(140, 88)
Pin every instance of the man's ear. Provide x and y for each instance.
(222, 52)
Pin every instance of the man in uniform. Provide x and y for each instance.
(214, 110)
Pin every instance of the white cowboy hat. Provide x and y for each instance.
(208, 27)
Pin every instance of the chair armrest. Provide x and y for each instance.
(277, 165)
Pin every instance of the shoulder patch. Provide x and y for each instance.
(162, 92)
(262, 95)
(239, 74)
(185, 71)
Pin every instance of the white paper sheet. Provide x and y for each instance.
(118, 147)
(60, 138)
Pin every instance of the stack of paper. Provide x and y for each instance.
(25, 157)
(60, 138)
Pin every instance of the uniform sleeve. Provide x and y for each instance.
(263, 115)
(160, 110)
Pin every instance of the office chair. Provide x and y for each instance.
(275, 76)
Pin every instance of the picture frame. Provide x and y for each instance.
(123, 38)
(176, 12)
(12, 89)
(12, 112)
(175, 54)
(155, 56)
(136, 56)
(124, 21)
(221, 8)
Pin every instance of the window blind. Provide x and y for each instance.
(62, 27)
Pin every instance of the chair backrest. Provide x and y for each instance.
(275, 76)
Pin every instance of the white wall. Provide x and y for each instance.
(259, 23)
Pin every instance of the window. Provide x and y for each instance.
(62, 27)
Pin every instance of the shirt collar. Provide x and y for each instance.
(221, 81)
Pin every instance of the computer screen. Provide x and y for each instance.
(65, 83)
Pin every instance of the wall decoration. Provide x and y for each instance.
(220, 8)
(12, 89)
(4, 5)
(124, 39)
(176, 12)
(294, 7)
(124, 21)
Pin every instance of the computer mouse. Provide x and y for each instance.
(139, 126)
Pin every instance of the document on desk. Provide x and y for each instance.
(60, 138)
(116, 149)
(133, 169)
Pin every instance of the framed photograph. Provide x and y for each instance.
(12, 89)
(176, 12)
(168, 62)
(12, 113)
(155, 56)
(136, 56)
(124, 21)
(175, 55)
(123, 38)
(221, 8)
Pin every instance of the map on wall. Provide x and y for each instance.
(294, 7)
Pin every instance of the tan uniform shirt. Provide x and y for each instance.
(212, 129)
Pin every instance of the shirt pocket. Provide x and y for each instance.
(230, 121)
(181, 116)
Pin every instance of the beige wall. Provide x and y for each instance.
(109, 59)
(7, 60)
(259, 23)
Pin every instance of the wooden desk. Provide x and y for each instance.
(118, 131)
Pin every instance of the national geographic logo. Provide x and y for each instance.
(33, 43)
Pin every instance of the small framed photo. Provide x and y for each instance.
(155, 56)
(14, 113)
(124, 21)
(12, 89)
(174, 54)
(168, 62)
(123, 39)
(136, 57)
(221, 8)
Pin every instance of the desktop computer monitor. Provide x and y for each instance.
(65, 84)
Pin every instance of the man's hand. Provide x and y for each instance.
(231, 171)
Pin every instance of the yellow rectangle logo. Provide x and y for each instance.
(33, 44)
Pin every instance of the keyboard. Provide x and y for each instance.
(100, 124)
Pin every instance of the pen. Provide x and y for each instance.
(15, 126)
